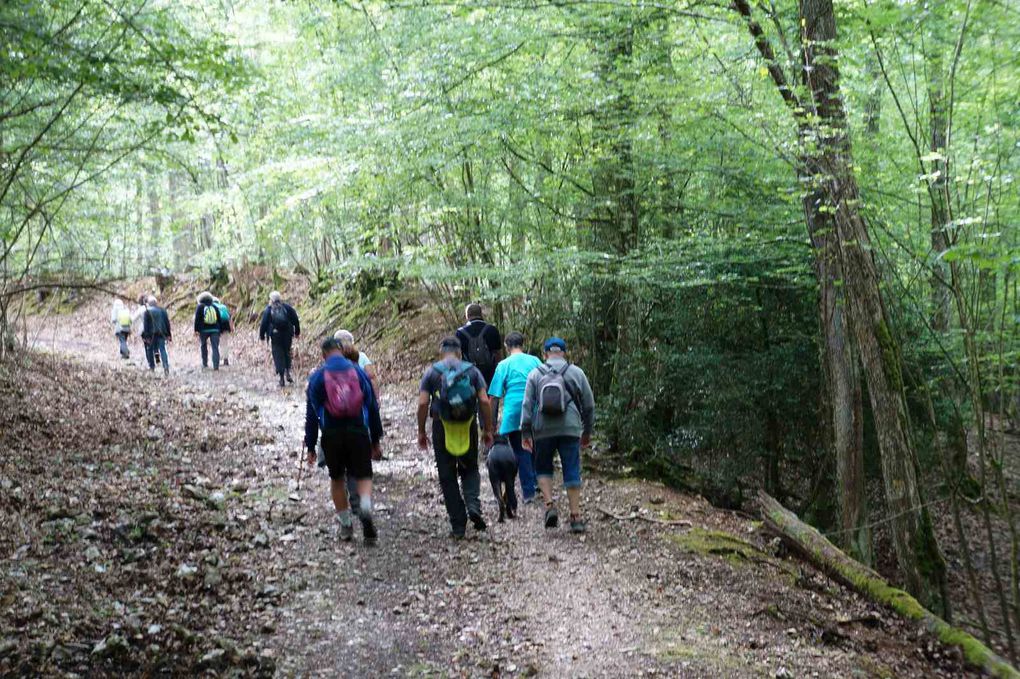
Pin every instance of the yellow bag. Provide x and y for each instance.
(124, 319)
(458, 436)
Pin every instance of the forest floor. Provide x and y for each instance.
(154, 524)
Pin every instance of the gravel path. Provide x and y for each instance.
(631, 598)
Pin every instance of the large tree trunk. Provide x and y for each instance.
(920, 562)
(844, 399)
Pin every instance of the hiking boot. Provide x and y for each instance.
(477, 521)
(552, 517)
(577, 525)
(456, 534)
(347, 532)
(226, 362)
(368, 529)
(289, 378)
(281, 382)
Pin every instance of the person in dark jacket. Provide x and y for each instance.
(207, 329)
(480, 342)
(279, 326)
(155, 334)
(349, 443)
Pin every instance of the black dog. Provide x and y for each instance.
(502, 464)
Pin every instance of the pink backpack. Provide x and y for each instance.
(344, 399)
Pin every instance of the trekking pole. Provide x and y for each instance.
(301, 470)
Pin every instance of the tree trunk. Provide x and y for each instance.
(941, 296)
(920, 562)
(155, 224)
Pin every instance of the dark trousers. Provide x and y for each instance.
(155, 344)
(212, 338)
(525, 465)
(281, 354)
(450, 467)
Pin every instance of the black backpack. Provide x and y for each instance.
(554, 392)
(278, 316)
(478, 351)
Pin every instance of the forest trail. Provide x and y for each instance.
(631, 598)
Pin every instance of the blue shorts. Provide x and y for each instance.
(569, 448)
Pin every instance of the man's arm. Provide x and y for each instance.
(296, 321)
(198, 319)
(264, 325)
(169, 333)
(528, 405)
(587, 407)
(375, 428)
(485, 410)
(495, 409)
(423, 416)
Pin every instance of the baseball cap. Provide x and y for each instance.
(555, 342)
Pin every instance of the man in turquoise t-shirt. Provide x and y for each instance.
(508, 385)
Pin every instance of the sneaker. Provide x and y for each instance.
(368, 529)
(552, 517)
(477, 521)
(347, 532)
(577, 525)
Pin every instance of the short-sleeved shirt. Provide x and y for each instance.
(508, 384)
(432, 381)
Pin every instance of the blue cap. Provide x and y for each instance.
(555, 342)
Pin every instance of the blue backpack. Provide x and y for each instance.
(458, 400)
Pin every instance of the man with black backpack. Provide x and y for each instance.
(207, 329)
(342, 403)
(557, 416)
(155, 334)
(480, 342)
(279, 326)
(454, 391)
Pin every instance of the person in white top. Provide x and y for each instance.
(120, 318)
(349, 348)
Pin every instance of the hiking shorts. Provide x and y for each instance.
(569, 448)
(347, 452)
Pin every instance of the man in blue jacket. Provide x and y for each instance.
(342, 403)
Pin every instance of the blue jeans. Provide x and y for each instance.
(151, 347)
(124, 351)
(525, 466)
(212, 338)
(569, 448)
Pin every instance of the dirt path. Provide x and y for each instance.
(630, 598)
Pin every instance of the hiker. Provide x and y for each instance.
(508, 385)
(207, 329)
(480, 343)
(280, 325)
(226, 327)
(341, 402)
(350, 351)
(453, 391)
(346, 340)
(120, 317)
(557, 417)
(155, 334)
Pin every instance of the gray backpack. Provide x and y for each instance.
(554, 394)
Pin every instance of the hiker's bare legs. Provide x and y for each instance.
(545, 483)
(338, 490)
(574, 498)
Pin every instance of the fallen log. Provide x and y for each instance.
(811, 544)
(650, 519)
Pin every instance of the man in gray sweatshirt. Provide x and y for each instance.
(557, 416)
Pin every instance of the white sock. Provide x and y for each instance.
(366, 505)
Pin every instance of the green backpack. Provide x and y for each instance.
(210, 316)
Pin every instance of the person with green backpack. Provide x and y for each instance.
(207, 329)
(226, 327)
(453, 391)
(120, 317)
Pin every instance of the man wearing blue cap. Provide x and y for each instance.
(557, 416)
